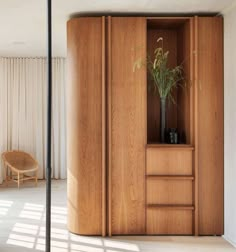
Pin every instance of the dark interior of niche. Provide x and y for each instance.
(176, 39)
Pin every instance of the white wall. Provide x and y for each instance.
(230, 123)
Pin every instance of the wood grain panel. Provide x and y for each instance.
(165, 191)
(108, 38)
(169, 221)
(128, 126)
(104, 129)
(153, 101)
(169, 161)
(184, 56)
(84, 126)
(210, 125)
(194, 65)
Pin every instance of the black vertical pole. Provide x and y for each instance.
(49, 122)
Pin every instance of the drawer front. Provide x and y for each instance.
(169, 221)
(168, 161)
(167, 192)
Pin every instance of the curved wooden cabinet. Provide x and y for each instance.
(120, 179)
(84, 127)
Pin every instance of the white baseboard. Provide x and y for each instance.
(229, 240)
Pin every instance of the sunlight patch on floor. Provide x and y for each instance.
(22, 228)
(5, 206)
(33, 237)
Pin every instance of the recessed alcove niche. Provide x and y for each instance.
(176, 39)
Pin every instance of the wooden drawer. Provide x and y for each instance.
(169, 221)
(169, 191)
(169, 161)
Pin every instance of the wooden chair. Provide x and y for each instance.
(19, 163)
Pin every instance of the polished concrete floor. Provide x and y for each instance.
(22, 228)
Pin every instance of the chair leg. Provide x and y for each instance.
(36, 178)
(18, 180)
(6, 175)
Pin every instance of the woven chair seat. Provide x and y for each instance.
(19, 162)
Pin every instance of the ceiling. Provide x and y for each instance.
(23, 22)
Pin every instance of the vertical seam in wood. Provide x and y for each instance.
(191, 109)
(191, 80)
(109, 128)
(103, 133)
(196, 124)
(222, 27)
(145, 170)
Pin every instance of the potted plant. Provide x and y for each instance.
(164, 80)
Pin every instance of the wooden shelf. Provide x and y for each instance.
(166, 22)
(170, 146)
(172, 207)
(171, 177)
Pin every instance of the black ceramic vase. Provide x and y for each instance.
(162, 119)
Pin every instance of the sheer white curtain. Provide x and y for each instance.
(23, 108)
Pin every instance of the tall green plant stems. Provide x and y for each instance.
(165, 79)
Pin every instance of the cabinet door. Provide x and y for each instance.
(127, 125)
(210, 124)
(84, 125)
